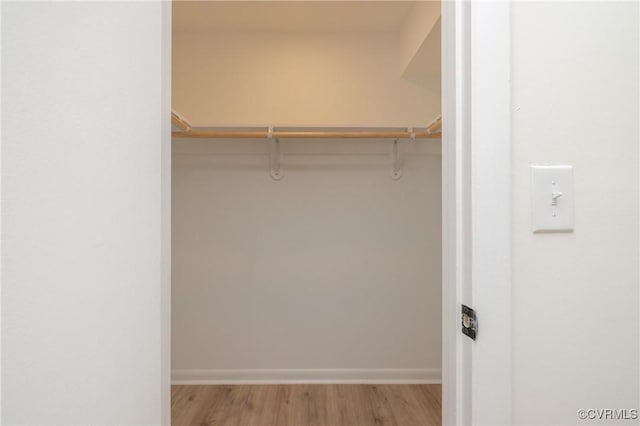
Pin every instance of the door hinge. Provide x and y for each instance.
(469, 322)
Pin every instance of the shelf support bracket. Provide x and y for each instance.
(396, 170)
(275, 156)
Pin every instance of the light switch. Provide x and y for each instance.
(552, 198)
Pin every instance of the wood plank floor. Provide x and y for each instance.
(301, 405)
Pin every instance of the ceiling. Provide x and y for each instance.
(291, 16)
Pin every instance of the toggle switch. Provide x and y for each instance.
(552, 198)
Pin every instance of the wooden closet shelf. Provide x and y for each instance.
(432, 131)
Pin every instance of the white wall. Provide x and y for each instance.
(84, 101)
(337, 266)
(575, 295)
(422, 23)
(268, 78)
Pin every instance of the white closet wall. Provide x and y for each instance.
(335, 266)
(587, 59)
(346, 79)
(84, 143)
(332, 273)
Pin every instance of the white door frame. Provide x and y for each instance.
(476, 207)
(476, 376)
(165, 232)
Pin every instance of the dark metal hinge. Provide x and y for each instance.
(469, 322)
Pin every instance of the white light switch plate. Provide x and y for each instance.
(552, 198)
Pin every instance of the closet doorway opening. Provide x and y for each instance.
(306, 213)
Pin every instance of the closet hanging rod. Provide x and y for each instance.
(432, 131)
(286, 134)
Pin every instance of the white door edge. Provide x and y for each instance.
(476, 216)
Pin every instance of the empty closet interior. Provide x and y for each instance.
(306, 192)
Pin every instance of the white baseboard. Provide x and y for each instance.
(291, 376)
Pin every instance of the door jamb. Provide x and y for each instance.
(165, 220)
(476, 210)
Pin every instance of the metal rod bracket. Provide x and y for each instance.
(275, 158)
(396, 168)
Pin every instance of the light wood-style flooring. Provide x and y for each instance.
(301, 405)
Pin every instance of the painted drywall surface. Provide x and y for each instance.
(324, 79)
(419, 25)
(575, 295)
(337, 266)
(424, 67)
(81, 216)
(0, 215)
